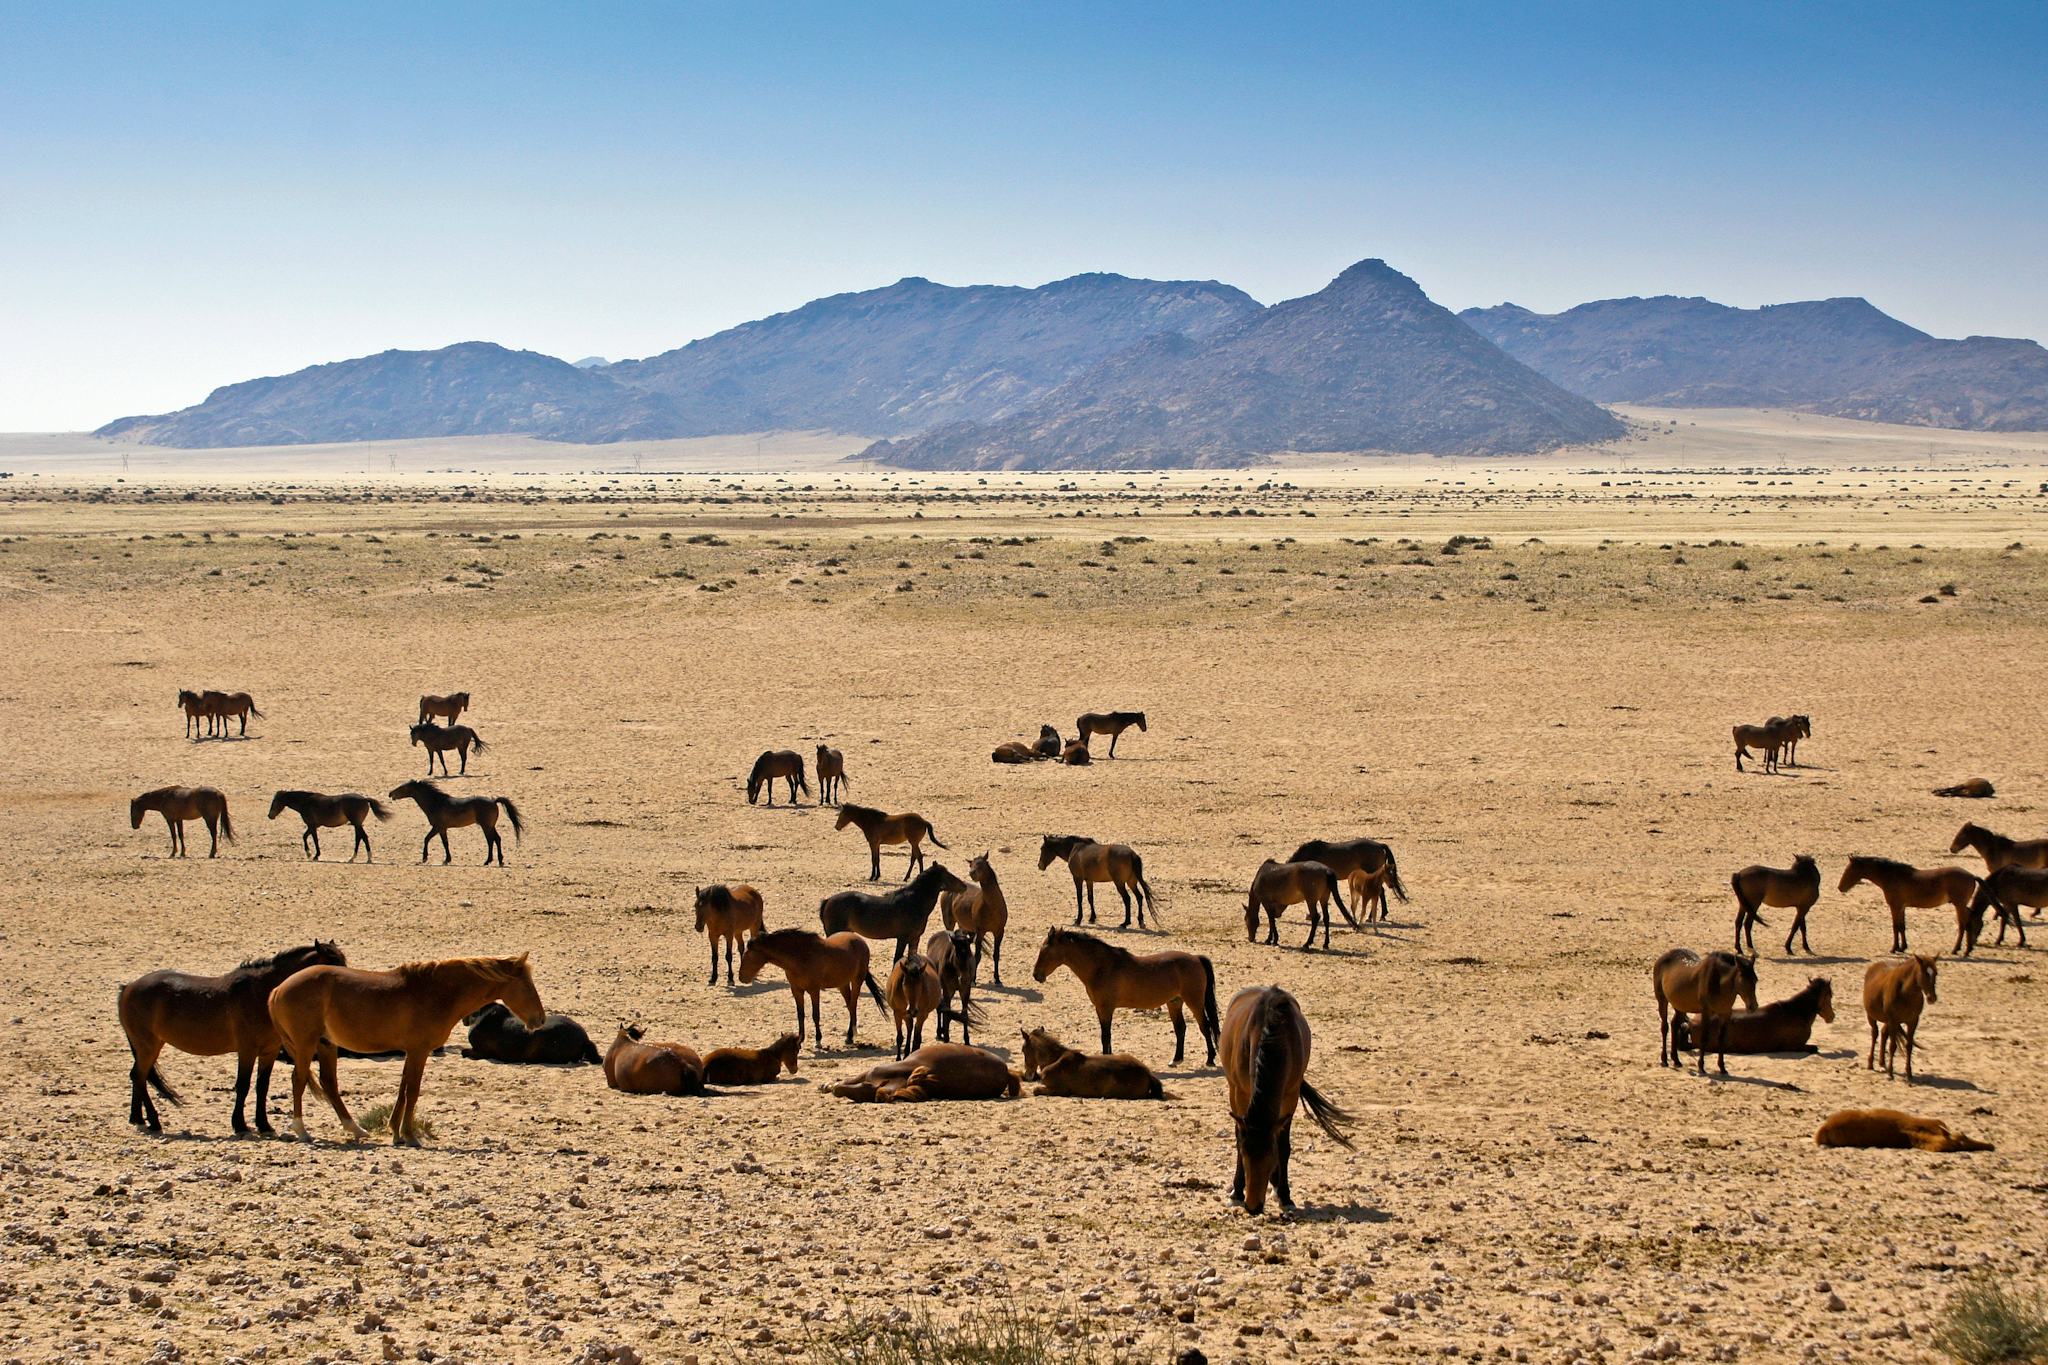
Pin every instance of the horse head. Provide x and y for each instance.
(703, 903)
(520, 994)
(1048, 956)
(276, 805)
(786, 1049)
(1030, 1051)
(418, 733)
(135, 813)
(1927, 968)
(1851, 874)
(491, 1009)
(1141, 722)
(1251, 918)
(1825, 991)
(1965, 837)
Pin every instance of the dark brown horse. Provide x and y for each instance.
(951, 953)
(1073, 1074)
(2006, 890)
(813, 963)
(731, 914)
(1265, 1065)
(1346, 856)
(321, 811)
(179, 804)
(1781, 1026)
(1090, 862)
(784, 765)
(901, 914)
(200, 721)
(1998, 851)
(1112, 723)
(1707, 986)
(439, 739)
(1792, 729)
(1116, 978)
(1894, 994)
(209, 1016)
(449, 707)
(1795, 888)
(226, 706)
(881, 828)
(752, 1065)
(1275, 886)
(1906, 887)
(445, 812)
(831, 775)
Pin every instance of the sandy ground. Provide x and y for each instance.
(1538, 722)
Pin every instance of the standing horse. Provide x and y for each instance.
(1707, 986)
(831, 776)
(1275, 886)
(208, 1016)
(199, 718)
(1090, 862)
(445, 812)
(1112, 724)
(1346, 856)
(1894, 994)
(881, 828)
(1781, 1026)
(1906, 887)
(1791, 729)
(179, 804)
(451, 706)
(1265, 1063)
(813, 963)
(410, 1009)
(1766, 738)
(1997, 851)
(1118, 979)
(901, 914)
(224, 706)
(439, 739)
(321, 811)
(730, 913)
(1795, 888)
(784, 764)
(2007, 890)
(913, 993)
(981, 909)
(951, 953)
(1369, 893)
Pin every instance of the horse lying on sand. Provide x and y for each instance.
(936, 1071)
(640, 1068)
(752, 1065)
(1074, 1074)
(1781, 1026)
(1890, 1128)
(498, 1035)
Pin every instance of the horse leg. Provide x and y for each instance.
(363, 838)
(330, 1078)
(1114, 735)
(1898, 928)
(713, 940)
(1091, 903)
(463, 754)
(1663, 1030)
(1870, 1062)
(244, 1064)
(1180, 1029)
(999, 957)
(263, 1068)
(1742, 918)
(798, 996)
(1280, 1184)
(1104, 1016)
(874, 861)
(302, 1072)
(1912, 1028)
(447, 854)
(1311, 912)
(1237, 1167)
(141, 1108)
(1727, 1027)
(851, 990)
(426, 844)
(212, 835)
(1124, 893)
(1077, 901)
(403, 1124)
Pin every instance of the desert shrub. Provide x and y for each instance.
(1987, 1323)
(994, 1336)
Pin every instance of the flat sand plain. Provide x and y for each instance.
(1535, 714)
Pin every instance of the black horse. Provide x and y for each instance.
(497, 1035)
(900, 914)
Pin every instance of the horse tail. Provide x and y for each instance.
(518, 825)
(802, 785)
(1332, 1119)
(1394, 877)
(932, 835)
(227, 826)
(163, 1087)
(1144, 887)
(379, 809)
(1212, 1021)
(254, 712)
(476, 742)
(868, 980)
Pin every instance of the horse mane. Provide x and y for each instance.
(493, 969)
(1891, 865)
(787, 934)
(1269, 1060)
(1103, 946)
(271, 961)
(295, 793)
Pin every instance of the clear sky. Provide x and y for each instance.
(194, 194)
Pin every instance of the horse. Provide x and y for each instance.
(208, 1016)
(410, 1009)
(1090, 862)
(1048, 744)
(1346, 856)
(321, 811)
(1016, 751)
(445, 812)
(881, 828)
(936, 1071)
(1907, 887)
(639, 1068)
(831, 775)
(980, 909)
(224, 706)
(1116, 978)
(786, 764)
(750, 1065)
(1369, 893)
(730, 913)
(913, 993)
(1791, 729)
(1765, 738)
(1781, 1026)
(497, 1035)
(1265, 1064)
(2007, 889)
(1076, 754)
(451, 706)
(1275, 886)
(1112, 724)
(951, 953)
(1890, 1128)
(1707, 986)
(1973, 789)
(1997, 851)
(197, 714)
(1073, 1074)
(901, 914)
(1894, 994)
(179, 804)
(1794, 888)
(439, 739)
(812, 963)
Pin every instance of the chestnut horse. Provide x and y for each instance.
(1275, 886)
(224, 706)
(1265, 1063)
(1112, 724)
(208, 1016)
(882, 828)
(1116, 978)
(752, 1065)
(451, 706)
(936, 1071)
(785, 765)
(445, 812)
(913, 993)
(1707, 986)
(731, 914)
(1795, 888)
(640, 1068)
(1369, 893)
(321, 811)
(410, 1009)
(1890, 1128)
(439, 739)
(831, 775)
(1781, 1026)
(1998, 851)
(812, 963)
(1073, 1074)
(179, 804)
(1906, 887)
(1090, 862)
(1894, 994)
(980, 909)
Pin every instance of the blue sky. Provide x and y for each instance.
(196, 194)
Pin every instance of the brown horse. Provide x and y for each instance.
(1791, 729)
(226, 706)
(1265, 1064)
(980, 909)
(831, 775)
(2007, 890)
(410, 1009)
(731, 914)
(881, 828)
(1795, 888)
(936, 1071)
(1275, 886)
(813, 963)
(1765, 738)
(1973, 789)
(1906, 887)
(913, 993)
(1113, 724)
(1076, 754)
(1346, 856)
(785, 765)
(1369, 893)
(451, 707)
(208, 1016)
(1890, 1128)
(199, 719)
(445, 812)
(752, 1065)
(1894, 994)
(1090, 862)
(321, 811)
(1016, 751)
(1118, 979)
(1998, 851)
(1048, 744)
(179, 804)
(640, 1068)
(1073, 1074)
(439, 739)
(1781, 1026)
(951, 953)
(1707, 986)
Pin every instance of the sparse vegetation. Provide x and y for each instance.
(996, 1336)
(1987, 1323)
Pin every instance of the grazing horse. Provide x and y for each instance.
(951, 953)
(410, 1009)
(1113, 724)
(785, 764)
(1090, 862)
(445, 812)
(2007, 890)
(1906, 887)
(179, 804)
(1275, 886)
(497, 1035)
(936, 1071)
(1707, 986)
(1791, 729)
(1795, 888)
(752, 1065)
(1766, 738)
(980, 909)
(882, 828)
(451, 706)
(813, 963)
(1974, 789)
(1781, 1026)
(321, 811)
(208, 1016)
(1116, 978)
(439, 739)
(1997, 851)
(1346, 856)
(901, 914)
(199, 720)
(831, 775)
(224, 706)
(730, 913)
(1073, 1074)
(1265, 1063)
(639, 1068)
(1890, 1128)
(1895, 991)
(913, 993)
